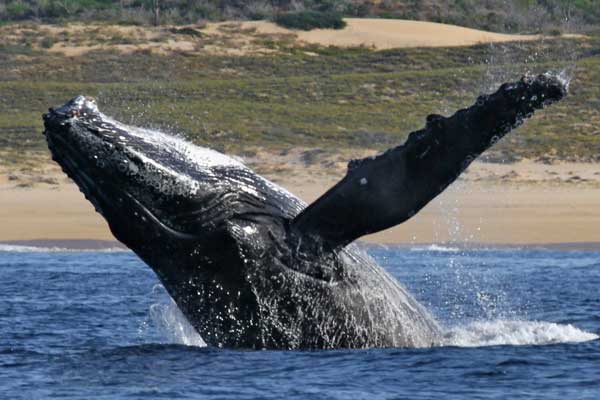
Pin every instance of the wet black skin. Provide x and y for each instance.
(250, 265)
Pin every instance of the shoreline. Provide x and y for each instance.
(523, 204)
(91, 245)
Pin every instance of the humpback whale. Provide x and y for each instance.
(249, 264)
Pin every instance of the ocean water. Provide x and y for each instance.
(519, 323)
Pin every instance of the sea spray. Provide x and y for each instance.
(167, 323)
(514, 333)
(173, 325)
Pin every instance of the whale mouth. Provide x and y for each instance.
(72, 164)
(148, 216)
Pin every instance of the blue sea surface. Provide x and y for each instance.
(519, 323)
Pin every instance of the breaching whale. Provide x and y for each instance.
(249, 264)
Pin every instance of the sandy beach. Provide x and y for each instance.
(520, 203)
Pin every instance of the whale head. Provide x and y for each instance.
(152, 187)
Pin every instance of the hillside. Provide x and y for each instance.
(234, 88)
(531, 16)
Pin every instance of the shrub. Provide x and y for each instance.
(18, 10)
(555, 32)
(47, 42)
(307, 20)
(186, 31)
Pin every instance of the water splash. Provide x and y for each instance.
(514, 333)
(174, 328)
(565, 76)
(173, 325)
(506, 62)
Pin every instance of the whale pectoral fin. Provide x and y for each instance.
(388, 189)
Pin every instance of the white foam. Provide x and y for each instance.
(564, 76)
(514, 333)
(35, 249)
(174, 326)
(435, 247)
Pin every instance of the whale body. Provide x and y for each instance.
(248, 263)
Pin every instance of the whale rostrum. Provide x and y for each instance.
(248, 263)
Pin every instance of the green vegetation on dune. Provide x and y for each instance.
(308, 20)
(317, 97)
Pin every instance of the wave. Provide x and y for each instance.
(514, 333)
(435, 247)
(13, 248)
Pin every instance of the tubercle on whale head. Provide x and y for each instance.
(74, 107)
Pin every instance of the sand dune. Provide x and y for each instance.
(235, 38)
(391, 33)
